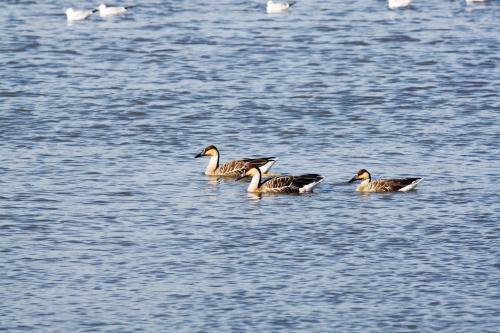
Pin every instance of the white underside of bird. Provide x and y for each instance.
(410, 187)
(309, 187)
(394, 4)
(77, 14)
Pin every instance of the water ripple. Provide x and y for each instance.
(108, 223)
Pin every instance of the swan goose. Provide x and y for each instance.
(232, 168)
(280, 184)
(383, 185)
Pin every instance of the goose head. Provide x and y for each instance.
(361, 175)
(208, 151)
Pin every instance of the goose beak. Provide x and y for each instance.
(353, 179)
(199, 155)
(243, 175)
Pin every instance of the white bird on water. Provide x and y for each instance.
(78, 14)
(278, 7)
(394, 4)
(475, 1)
(105, 11)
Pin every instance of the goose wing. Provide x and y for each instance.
(236, 168)
(233, 168)
(289, 184)
(392, 185)
(260, 161)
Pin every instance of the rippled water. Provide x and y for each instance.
(107, 222)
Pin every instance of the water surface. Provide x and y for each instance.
(108, 224)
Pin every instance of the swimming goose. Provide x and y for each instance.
(383, 185)
(78, 14)
(232, 168)
(105, 11)
(394, 4)
(278, 7)
(280, 184)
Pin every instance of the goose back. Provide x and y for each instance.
(393, 185)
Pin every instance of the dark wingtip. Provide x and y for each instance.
(290, 4)
(318, 178)
(414, 179)
(128, 7)
(95, 10)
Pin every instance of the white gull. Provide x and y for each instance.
(78, 14)
(278, 7)
(394, 4)
(105, 11)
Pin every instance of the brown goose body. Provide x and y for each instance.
(232, 168)
(280, 184)
(384, 185)
(235, 168)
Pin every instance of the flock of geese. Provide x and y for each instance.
(271, 8)
(259, 167)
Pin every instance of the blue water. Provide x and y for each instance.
(108, 224)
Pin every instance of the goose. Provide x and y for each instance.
(394, 4)
(105, 11)
(78, 14)
(383, 185)
(279, 184)
(278, 7)
(232, 168)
